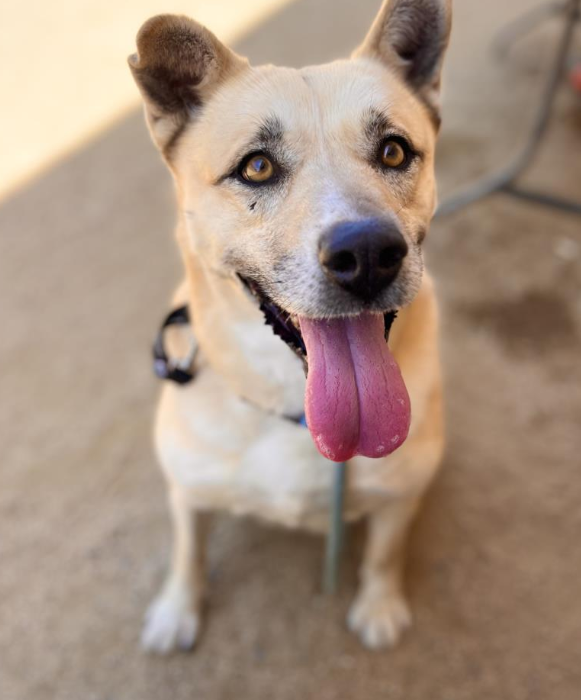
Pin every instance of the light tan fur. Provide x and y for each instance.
(222, 441)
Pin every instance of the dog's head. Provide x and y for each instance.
(314, 186)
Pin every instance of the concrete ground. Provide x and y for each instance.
(87, 264)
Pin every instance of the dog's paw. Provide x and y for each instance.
(171, 624)
(379, 617)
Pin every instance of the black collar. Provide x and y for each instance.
(179, 370)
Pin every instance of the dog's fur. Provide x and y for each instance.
(223, 441)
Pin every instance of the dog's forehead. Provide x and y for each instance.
(327, 101)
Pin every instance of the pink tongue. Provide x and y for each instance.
(356, 401)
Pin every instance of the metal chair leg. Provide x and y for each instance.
(503, 180)
(524, 25)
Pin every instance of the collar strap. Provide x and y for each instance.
(176, 370)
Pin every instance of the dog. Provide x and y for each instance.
(304, 197)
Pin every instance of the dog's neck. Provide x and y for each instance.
(236, 343)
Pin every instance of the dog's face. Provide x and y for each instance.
(282, 158)
(314, 186)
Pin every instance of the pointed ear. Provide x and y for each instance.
(178, 65)
(411, 37)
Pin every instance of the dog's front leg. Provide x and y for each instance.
(173, 619)
(380, 611)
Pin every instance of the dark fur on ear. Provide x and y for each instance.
(411, 36)
(177, 66)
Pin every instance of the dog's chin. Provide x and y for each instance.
(286, 325)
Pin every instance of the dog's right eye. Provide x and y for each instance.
(257, 168)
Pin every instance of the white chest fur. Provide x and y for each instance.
(227, 455)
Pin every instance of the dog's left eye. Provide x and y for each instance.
(257, 168)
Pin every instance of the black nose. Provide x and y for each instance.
(362, 257)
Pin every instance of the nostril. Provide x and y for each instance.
(343, 262)
(389, 258)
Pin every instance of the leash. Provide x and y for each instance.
(182, 371)
(336, 536)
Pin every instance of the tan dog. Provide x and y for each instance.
(306, 195)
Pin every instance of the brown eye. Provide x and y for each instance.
(257, 169)
(393, 154)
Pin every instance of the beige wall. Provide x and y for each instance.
(64, 77)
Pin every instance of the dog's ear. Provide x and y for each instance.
(411, 37)
(178, 65)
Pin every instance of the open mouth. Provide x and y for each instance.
(278, 319)
(356, 402)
